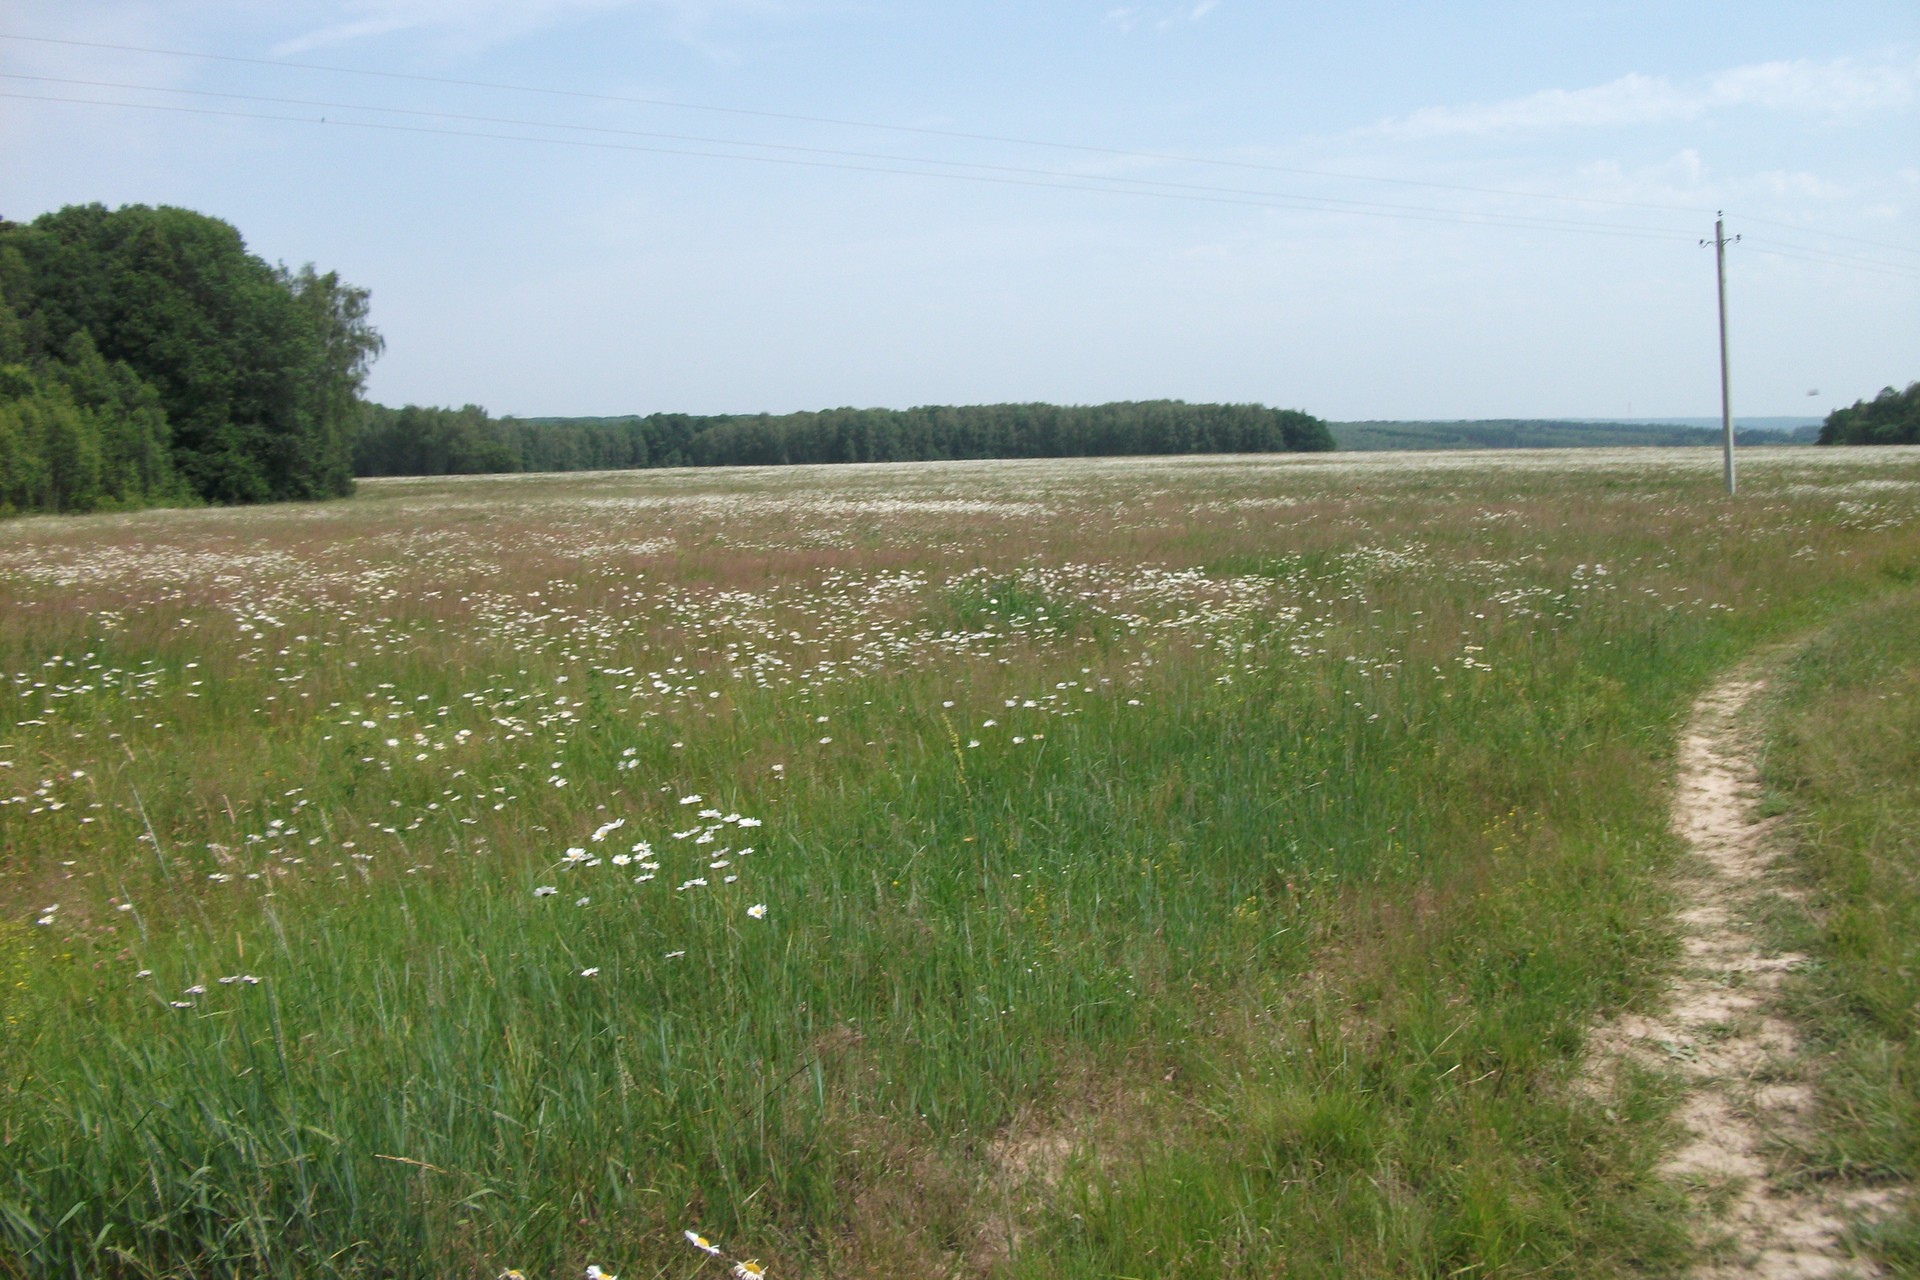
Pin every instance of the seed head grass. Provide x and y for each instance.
(1185, 867)
(1842, 769)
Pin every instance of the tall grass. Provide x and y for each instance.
(1167, 869)
(1844, 768)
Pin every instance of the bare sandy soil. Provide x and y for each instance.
(1748, 1096)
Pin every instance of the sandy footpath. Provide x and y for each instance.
(1748, 1095)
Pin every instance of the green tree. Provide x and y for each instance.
(256, 369)
(1304, 433)
(1892, 417)
(22, 458)
(127, 422)
(49, 452)
(340, 345)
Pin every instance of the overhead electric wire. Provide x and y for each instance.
(959, 135)
(1069, 182)
(1061, 180)
(1832, 235)
(1537, 221)
(1833, 255)
(1851, 264)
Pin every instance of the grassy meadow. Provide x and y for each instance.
(1159, 867)
(1845, 770)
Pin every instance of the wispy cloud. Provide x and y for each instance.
(1843, 86)
(1158, 17)
(501, 19)
(1685, 179)
(496, 21)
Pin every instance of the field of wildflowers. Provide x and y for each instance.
(1146, 867)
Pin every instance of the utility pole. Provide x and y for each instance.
(1720, 243)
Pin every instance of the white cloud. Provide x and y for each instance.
(496, 21)
(1843, 86)
(1681, 179)
(1684, 179)
(364, 19)
(1159, 17)
(1797, 184)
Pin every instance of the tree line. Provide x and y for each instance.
(1892, 417)
(429, 441)
(1548, 433)
(147, 357)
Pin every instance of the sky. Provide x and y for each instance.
(1365, 210)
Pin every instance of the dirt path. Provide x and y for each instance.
(1723, 1031)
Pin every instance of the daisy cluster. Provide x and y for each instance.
(709, 848)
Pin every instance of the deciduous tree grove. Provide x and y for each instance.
(1892, 417)
(146, 356)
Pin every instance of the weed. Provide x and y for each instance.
(1172, 867)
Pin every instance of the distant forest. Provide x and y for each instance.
(1544, 433)
(427, 441)
(1892, 417)
(146, 357)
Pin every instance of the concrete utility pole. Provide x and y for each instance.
(1720, 243)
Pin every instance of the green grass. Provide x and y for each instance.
(1845, 767)
(1202, 868)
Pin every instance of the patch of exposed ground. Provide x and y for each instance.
(1748, 1098)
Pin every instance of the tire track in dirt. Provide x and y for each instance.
(1747, 1091)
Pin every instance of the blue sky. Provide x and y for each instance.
(1365, 210)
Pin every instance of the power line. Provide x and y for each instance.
(1067, 182)
(1118, 152)
(1525, 220)
(1832, 235)
(1849, 259)
(1901, 272)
